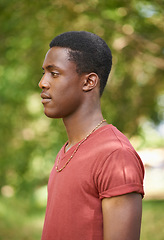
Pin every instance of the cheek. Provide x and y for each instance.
(72, 95)
(67, 90)
(66, 98)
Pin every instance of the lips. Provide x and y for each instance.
(45, 97)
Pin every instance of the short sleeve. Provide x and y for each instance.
(122, 172)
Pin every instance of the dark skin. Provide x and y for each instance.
(75, 98)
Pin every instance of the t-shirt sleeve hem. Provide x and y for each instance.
(121, 190)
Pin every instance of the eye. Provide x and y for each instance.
(55, 74)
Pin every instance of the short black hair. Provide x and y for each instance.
(89, 52)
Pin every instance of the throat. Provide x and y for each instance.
(84, 135)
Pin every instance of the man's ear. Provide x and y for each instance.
(91, 81)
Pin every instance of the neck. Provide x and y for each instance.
(80, 125)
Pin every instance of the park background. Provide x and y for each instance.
(133, 100)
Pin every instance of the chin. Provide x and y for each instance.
(51, 114)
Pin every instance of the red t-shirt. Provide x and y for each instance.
(105, 165)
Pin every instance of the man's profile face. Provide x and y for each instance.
(61, 85)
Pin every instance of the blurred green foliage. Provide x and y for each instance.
(133, 29)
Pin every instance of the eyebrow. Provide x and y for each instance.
(49, 67)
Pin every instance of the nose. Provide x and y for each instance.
(43, 83)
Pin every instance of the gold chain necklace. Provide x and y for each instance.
(59, 170)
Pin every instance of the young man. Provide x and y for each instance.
(95, 188)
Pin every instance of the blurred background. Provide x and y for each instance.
(133, 101)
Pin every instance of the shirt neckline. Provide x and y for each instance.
(63, 154)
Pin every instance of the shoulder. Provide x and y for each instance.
(118, 168)
(108, 139)
(110, 133)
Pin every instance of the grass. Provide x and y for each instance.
(22, 219)
(153, 220)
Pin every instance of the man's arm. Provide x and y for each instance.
(122, 217)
